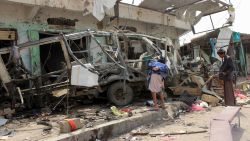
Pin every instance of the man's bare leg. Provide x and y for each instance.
(155, 101)
(162, 96)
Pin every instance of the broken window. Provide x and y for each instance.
(97, 55)
(51, 55)
(79, 49)
(211, 22)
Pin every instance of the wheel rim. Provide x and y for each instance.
(120, 95)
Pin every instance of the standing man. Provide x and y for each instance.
(226, 74)
(157, 75)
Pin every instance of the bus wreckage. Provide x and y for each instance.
(85, 64)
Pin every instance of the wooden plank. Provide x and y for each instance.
(228, 114)
(220, 131)
(7, 35)
(35, 53)
(178, 90)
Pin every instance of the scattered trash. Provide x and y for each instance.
(89, 125)
(117, 112)
(188, 99)
(3, 121)
(245, 87)
(241, 99)
(47, 129)
(237, 93)
(241, 102)
(149, 103)
(196, 108)
(202, 104)
(142, 131)
(127, 110)
(6, 132)
(12, 133)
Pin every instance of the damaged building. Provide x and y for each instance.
(46, 46)
(205, 46)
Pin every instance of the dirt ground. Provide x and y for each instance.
(194, 121)
(27, 129)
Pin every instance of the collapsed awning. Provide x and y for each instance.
(191, 10)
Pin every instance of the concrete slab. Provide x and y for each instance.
(113, 128)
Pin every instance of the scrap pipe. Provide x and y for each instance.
(51, 85)
(20, 94)
(34, 77)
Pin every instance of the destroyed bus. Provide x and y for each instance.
(85, 64)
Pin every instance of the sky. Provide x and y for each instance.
(241, 23)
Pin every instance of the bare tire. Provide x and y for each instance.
(118, 96)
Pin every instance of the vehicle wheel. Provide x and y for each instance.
(117, 96)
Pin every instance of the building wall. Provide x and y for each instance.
(26, 18)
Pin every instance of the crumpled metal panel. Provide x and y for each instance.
(162, 5)
(223, 40)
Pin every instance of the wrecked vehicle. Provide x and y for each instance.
(85, 64)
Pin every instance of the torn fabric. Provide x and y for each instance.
(100, 6)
